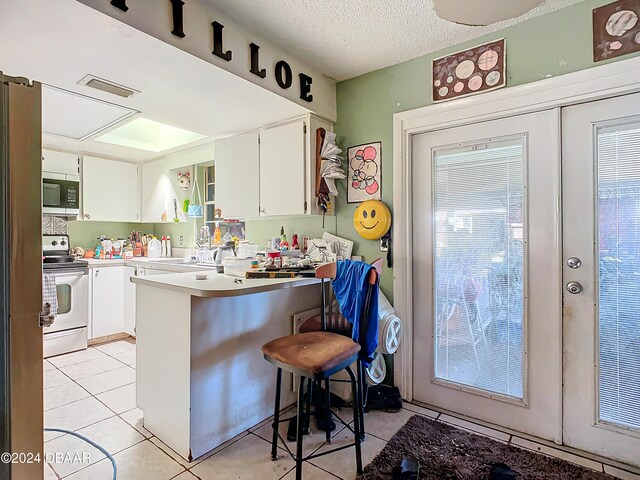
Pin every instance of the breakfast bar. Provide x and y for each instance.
(201, 378)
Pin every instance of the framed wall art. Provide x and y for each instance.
(616, 29)
(470, 71)
(365, 172)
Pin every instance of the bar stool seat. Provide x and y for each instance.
(314, 354)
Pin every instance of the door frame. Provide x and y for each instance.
(597, 83)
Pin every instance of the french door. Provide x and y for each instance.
(601, 236)
(487, 272)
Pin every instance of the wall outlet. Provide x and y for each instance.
(181, 239)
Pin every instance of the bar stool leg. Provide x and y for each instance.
(276, 417)
(356, 424)
(300, 429)
(308, 401)
(361, 387)
(327, 404)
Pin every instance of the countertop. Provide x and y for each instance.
(219, 285)
(173, 264)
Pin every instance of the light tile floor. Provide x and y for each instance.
(93, 392)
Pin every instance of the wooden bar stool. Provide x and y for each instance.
(317, 356)
(330, 320)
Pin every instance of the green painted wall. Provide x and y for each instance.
(259, 230)
(542, 47)
(84, 234)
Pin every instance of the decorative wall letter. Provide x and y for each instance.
(217, 42)
(178, 18)
(255, 61)
(283, 67)
(121, 4)
(305, 87)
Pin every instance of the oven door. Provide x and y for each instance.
(73, 301)
(61, 194)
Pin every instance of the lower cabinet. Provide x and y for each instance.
(113, 299)
(107, 301)
(129, 319)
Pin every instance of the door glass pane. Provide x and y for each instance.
(479, 262)
(63, 291)
(618, 157)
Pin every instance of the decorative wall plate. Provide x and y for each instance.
(469, 71)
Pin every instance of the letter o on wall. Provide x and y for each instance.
(283, 70)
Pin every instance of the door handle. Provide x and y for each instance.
(574, 288)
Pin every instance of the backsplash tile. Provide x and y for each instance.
(54, 225)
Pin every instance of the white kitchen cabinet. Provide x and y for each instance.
(155, 192)
(129, 319)
(109, 190)
(60, 162)
(237, 176)
(269, 172)
(282, 170)
(107, 300)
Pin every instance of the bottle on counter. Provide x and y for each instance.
(284, 244)
(163, 247)
(294, 242)
(217, 239)
(168, 246)
(154, 248)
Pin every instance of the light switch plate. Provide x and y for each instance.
(384, 244)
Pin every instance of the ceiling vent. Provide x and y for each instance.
(107, 86)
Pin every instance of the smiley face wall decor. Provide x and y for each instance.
(372, 219)
(365, 172)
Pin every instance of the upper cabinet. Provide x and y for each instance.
(237, 176)
(269, 172)
(109, 190)
(282, 170)
(60, 162)
(154, 191)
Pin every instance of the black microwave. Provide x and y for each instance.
(61, 194)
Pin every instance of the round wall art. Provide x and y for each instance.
(470, 71)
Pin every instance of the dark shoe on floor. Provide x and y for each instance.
(383, 397)
(321, 419)
(409, 469)
(293, 428)
(500, 471)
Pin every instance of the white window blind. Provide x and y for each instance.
(618, 157)
(479, 250)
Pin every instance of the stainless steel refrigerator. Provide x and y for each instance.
(21, 367)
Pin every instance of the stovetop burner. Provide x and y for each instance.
(56, 257)
(59, 259)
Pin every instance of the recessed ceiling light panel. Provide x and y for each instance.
(149, 135)
(69, 114)
(107, 86)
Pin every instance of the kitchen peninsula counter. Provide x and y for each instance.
(217, 285)
(201, 376)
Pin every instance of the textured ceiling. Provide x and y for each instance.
(346, 38)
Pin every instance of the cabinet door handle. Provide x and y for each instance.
(96, 272)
